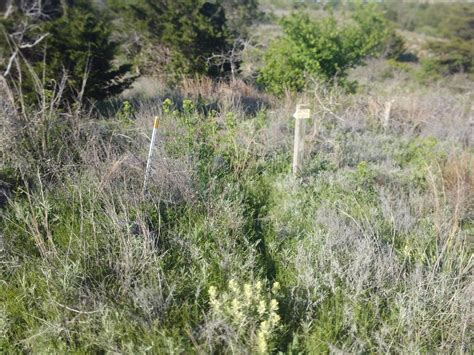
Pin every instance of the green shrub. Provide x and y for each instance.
(126, 112)
(454, 56)
(393, 67)
(394, 46)
(323, 50)
(455, 53)
(430, 70)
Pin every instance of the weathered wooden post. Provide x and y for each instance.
(302, 113)
(386, 116)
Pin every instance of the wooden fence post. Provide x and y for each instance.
(302, 113)
(388, 111)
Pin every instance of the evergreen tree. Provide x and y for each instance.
(456, 53)
(78, 46)
(194, 30)
(241, 15)
(183, 33)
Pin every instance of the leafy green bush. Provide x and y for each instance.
(126, 112)
(429, 71)
(323, 50)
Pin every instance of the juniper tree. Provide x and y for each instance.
(75, 44)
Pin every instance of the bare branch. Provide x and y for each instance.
(232, 57)
(36, 42)
(8, 11)
(15, 39)
(10, 63)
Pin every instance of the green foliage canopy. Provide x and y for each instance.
(322, 49)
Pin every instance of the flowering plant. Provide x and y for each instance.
(251, 312)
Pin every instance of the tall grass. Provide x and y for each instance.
(371, 245)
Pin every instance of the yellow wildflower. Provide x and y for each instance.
(276, 287)
(212, 293)
(273, 305)
(262, 343)
(248, 293)
(233, 286)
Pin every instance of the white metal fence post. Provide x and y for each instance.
(150, 154)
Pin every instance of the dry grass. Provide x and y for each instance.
(371, 245)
